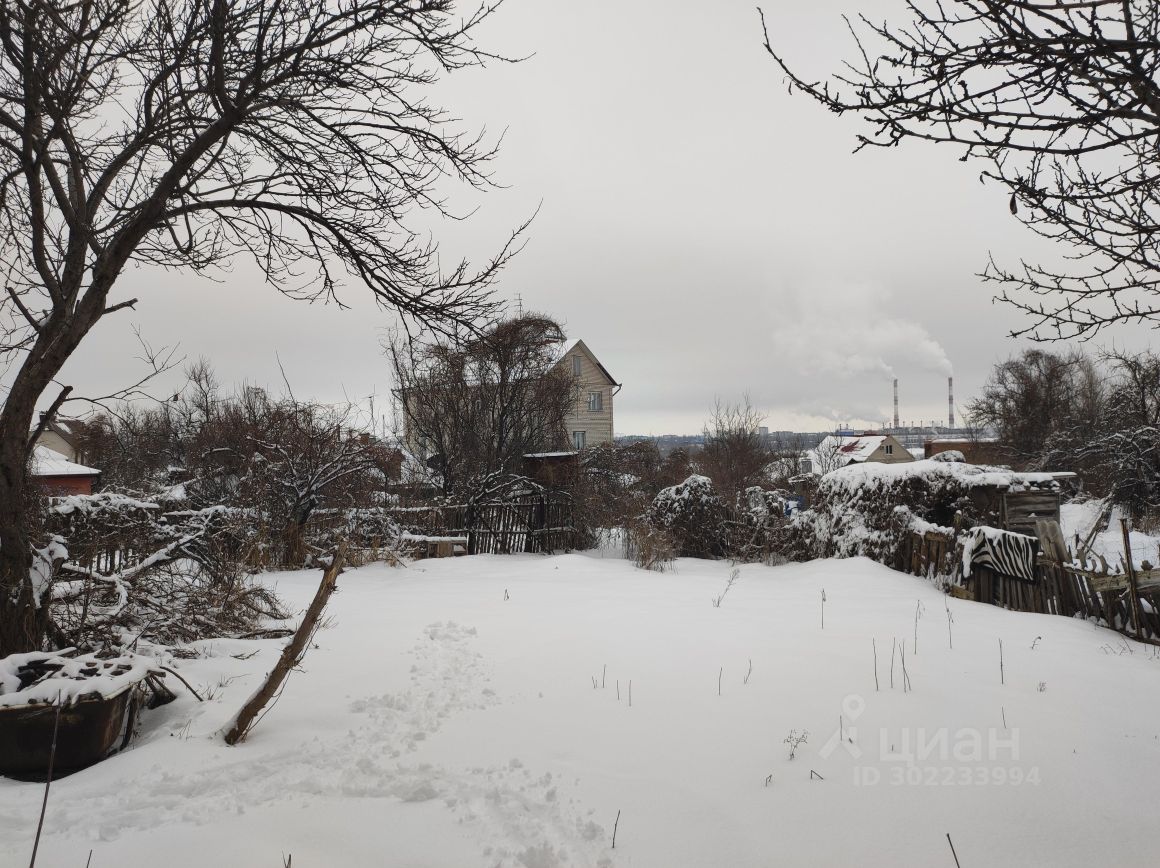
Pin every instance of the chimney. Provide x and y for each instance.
(950, 402)
(895, 402)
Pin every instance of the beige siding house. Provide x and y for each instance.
(63, 436)
(590, 423)
(839, 450)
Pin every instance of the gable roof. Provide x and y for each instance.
(577, 344)
(854, 449)
(46, 462)
(860, 448)
(68, 430)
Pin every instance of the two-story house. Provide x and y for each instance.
(64, 437)
(590, 422)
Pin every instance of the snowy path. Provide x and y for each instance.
(438, 724)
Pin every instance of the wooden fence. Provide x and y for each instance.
(927, 554)
(531, 523)
(1058, 589)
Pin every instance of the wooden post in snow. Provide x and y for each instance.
(292, 654)
(1130, 569)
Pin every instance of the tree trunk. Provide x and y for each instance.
(294, 544)
(21, 621)
(294, 535)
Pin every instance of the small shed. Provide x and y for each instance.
(58, 476)
(557, 470)
(1023, 501)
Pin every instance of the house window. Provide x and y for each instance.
(575, 366)
(595, 401)
(889, 448)
(578, 439)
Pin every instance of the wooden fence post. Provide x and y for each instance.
(1130, 569)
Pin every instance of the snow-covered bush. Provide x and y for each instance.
(697, 522)
(694, 515)
(952, 455)
(756, 530)
(868, 509)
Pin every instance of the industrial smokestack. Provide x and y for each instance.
(895, 402)
(950, 402)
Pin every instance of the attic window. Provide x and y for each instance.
(889, 448)
(595, 401)
(576, 366)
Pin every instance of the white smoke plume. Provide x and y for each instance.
(848, 333)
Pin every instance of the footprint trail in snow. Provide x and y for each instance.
(521, 818)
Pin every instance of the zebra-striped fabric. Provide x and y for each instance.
(1007, 553)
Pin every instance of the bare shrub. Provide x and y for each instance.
(129, 571)
(735, 455)
(649, 547)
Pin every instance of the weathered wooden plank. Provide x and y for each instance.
(1059, 598)
(1145, 580)
(1069, 603)
(1051, 541)
(1108, 600)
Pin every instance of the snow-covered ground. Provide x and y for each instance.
(1078, 517)
(448, 718)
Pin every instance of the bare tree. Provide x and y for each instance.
(788, 457)
(1043, 406)
(185, 133)
(1123, 451)
(476, 404)
(828, 455)
(1061, 101)
(1099, 417)
(304, 456)
(735, 455)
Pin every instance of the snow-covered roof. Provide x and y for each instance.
(551, 454)
(851, 450)
(46, 462)
(962, 440)
(869, 474)
(68, 430)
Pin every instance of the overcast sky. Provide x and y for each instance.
(704, 232)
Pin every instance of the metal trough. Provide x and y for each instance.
(90, 729)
